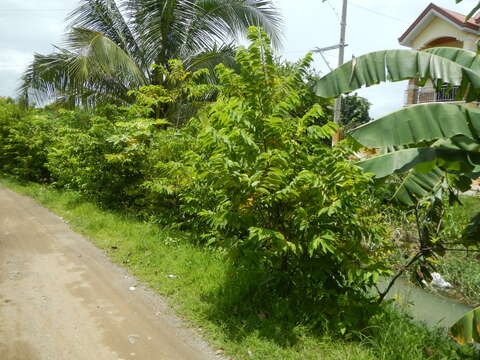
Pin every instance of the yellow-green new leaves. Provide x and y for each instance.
(325, 243)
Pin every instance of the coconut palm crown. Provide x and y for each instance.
(112, 47)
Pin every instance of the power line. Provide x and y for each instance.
(333, 9)
(35, 10)
(305, 52)
(13, 68)
(379, 13)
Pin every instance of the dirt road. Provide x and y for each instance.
(61, 299)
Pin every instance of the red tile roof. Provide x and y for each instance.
(457, 18)
(460, 18)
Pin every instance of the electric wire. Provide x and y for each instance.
(32, 10)
(333, 9)
(379, 13)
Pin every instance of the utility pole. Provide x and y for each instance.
(337, 115)
(341, 56)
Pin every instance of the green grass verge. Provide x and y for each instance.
(217, 299)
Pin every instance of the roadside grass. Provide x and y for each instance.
(225, 303)
(462, 269)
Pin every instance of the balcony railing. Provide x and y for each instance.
(430, 94)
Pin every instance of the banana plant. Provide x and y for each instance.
(436, 145)
(426, 141)
(438, 122)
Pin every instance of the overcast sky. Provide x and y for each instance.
(31, 26)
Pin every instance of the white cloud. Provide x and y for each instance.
(28, 27)
(14, 60)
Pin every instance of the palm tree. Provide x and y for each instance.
(113, 46)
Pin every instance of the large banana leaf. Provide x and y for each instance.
(417, 185)
(467, 329)
(424, 159)
(457, 147)
(462, 57)
(420, 123)
(396, 65)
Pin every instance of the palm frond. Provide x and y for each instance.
(93, 68)
(104, 16)
(181, 26)
(45, 79)
(211, 57)
(232, 18)
(161, 25)
(98, 53)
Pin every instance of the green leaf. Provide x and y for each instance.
(323, 242)
(471, 13)
(397, 65)
(416, 124)
(471, 234)
(462, 57)
(424, 159)
(417, 185)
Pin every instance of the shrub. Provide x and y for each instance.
(268, 187)
(24, 139)
(115, 156)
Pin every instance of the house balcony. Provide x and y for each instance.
(423, 95)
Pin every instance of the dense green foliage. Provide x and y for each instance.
(25, 138)
(355, 111)
(270, 188)
(252, 173)
(251, 176)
